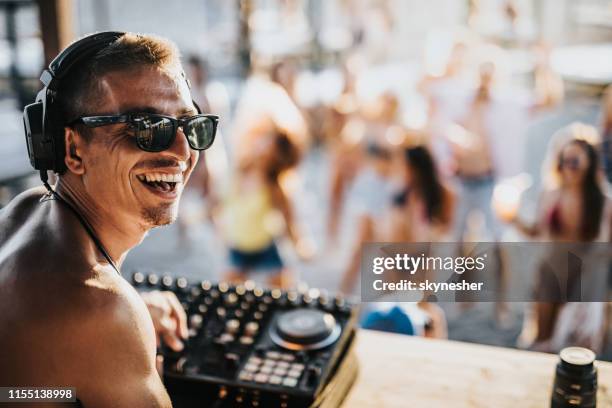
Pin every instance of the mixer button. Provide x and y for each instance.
(232, 325)
(152, 279)
(297, 366)
(239, 313)
(251, 368)
(257, 315)
(251, 328)
(245, 376)
(283, 364)
(138, 278)
(167, 281)
(269, 363)
(290, 382)
(266, 369)
(223, 287)
(181, 283)
(246, 340)
(202, 309)
(193, 333)
(275, 355)
(275, 380)
(195, 321)
(221, 312)
(255, 360)
(231, 298)
(287, 357)
(261, 378)
(294, 374)
(280, 371)
(206, 285)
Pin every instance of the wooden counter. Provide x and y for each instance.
(405, 371)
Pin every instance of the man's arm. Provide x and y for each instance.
(114, 355)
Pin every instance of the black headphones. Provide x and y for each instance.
(43, 121)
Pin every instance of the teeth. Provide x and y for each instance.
(169, 178)
(182, 166)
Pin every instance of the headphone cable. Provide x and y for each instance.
(86, 225)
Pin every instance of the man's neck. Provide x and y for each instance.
(117, 236)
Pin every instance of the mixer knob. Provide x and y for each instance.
(231, 299)
(202, 309)
(167, 281)
(221, 312)
(181, 283)
(138, 279)
(257, 315)
(206, 285)
(232, 326)
(195, 321)
(240, 290)
(223, 287)
(152, 279)
(251, 328)
(195, 292)
(276, 294)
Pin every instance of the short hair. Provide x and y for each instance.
(129, 51)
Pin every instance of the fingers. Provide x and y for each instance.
(178, 313)
(168, 329)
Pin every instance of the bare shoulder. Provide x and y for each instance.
(115, 345)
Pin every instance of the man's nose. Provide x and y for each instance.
(180, 147)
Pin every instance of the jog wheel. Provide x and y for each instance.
(305, 329)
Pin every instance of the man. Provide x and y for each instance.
(67, 317)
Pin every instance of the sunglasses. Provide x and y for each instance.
(155, 133)
(570, 163)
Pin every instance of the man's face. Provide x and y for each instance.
(119, 176)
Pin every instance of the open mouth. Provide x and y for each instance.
(161, 183)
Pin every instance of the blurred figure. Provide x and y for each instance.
(256, 206)
(548, 84)
(421, 212)
(473, 160)
(574, 208)
(364, 145)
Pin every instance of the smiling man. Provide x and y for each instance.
(132, 137)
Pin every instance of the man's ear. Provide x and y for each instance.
(74, 146)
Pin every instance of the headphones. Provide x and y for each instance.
(42, 120)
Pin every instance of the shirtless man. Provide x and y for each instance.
(67, 318)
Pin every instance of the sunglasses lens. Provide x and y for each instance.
(200, 132)
(154, 134)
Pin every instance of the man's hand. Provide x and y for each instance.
(169, 318)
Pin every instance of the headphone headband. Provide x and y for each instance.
(44, 129)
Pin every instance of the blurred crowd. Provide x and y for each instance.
(426, 155)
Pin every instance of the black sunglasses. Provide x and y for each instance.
(155, 133)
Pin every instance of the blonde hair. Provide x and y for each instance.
(130, 51)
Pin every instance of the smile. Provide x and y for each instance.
(161, 182)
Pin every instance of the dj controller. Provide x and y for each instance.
(255, 347)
